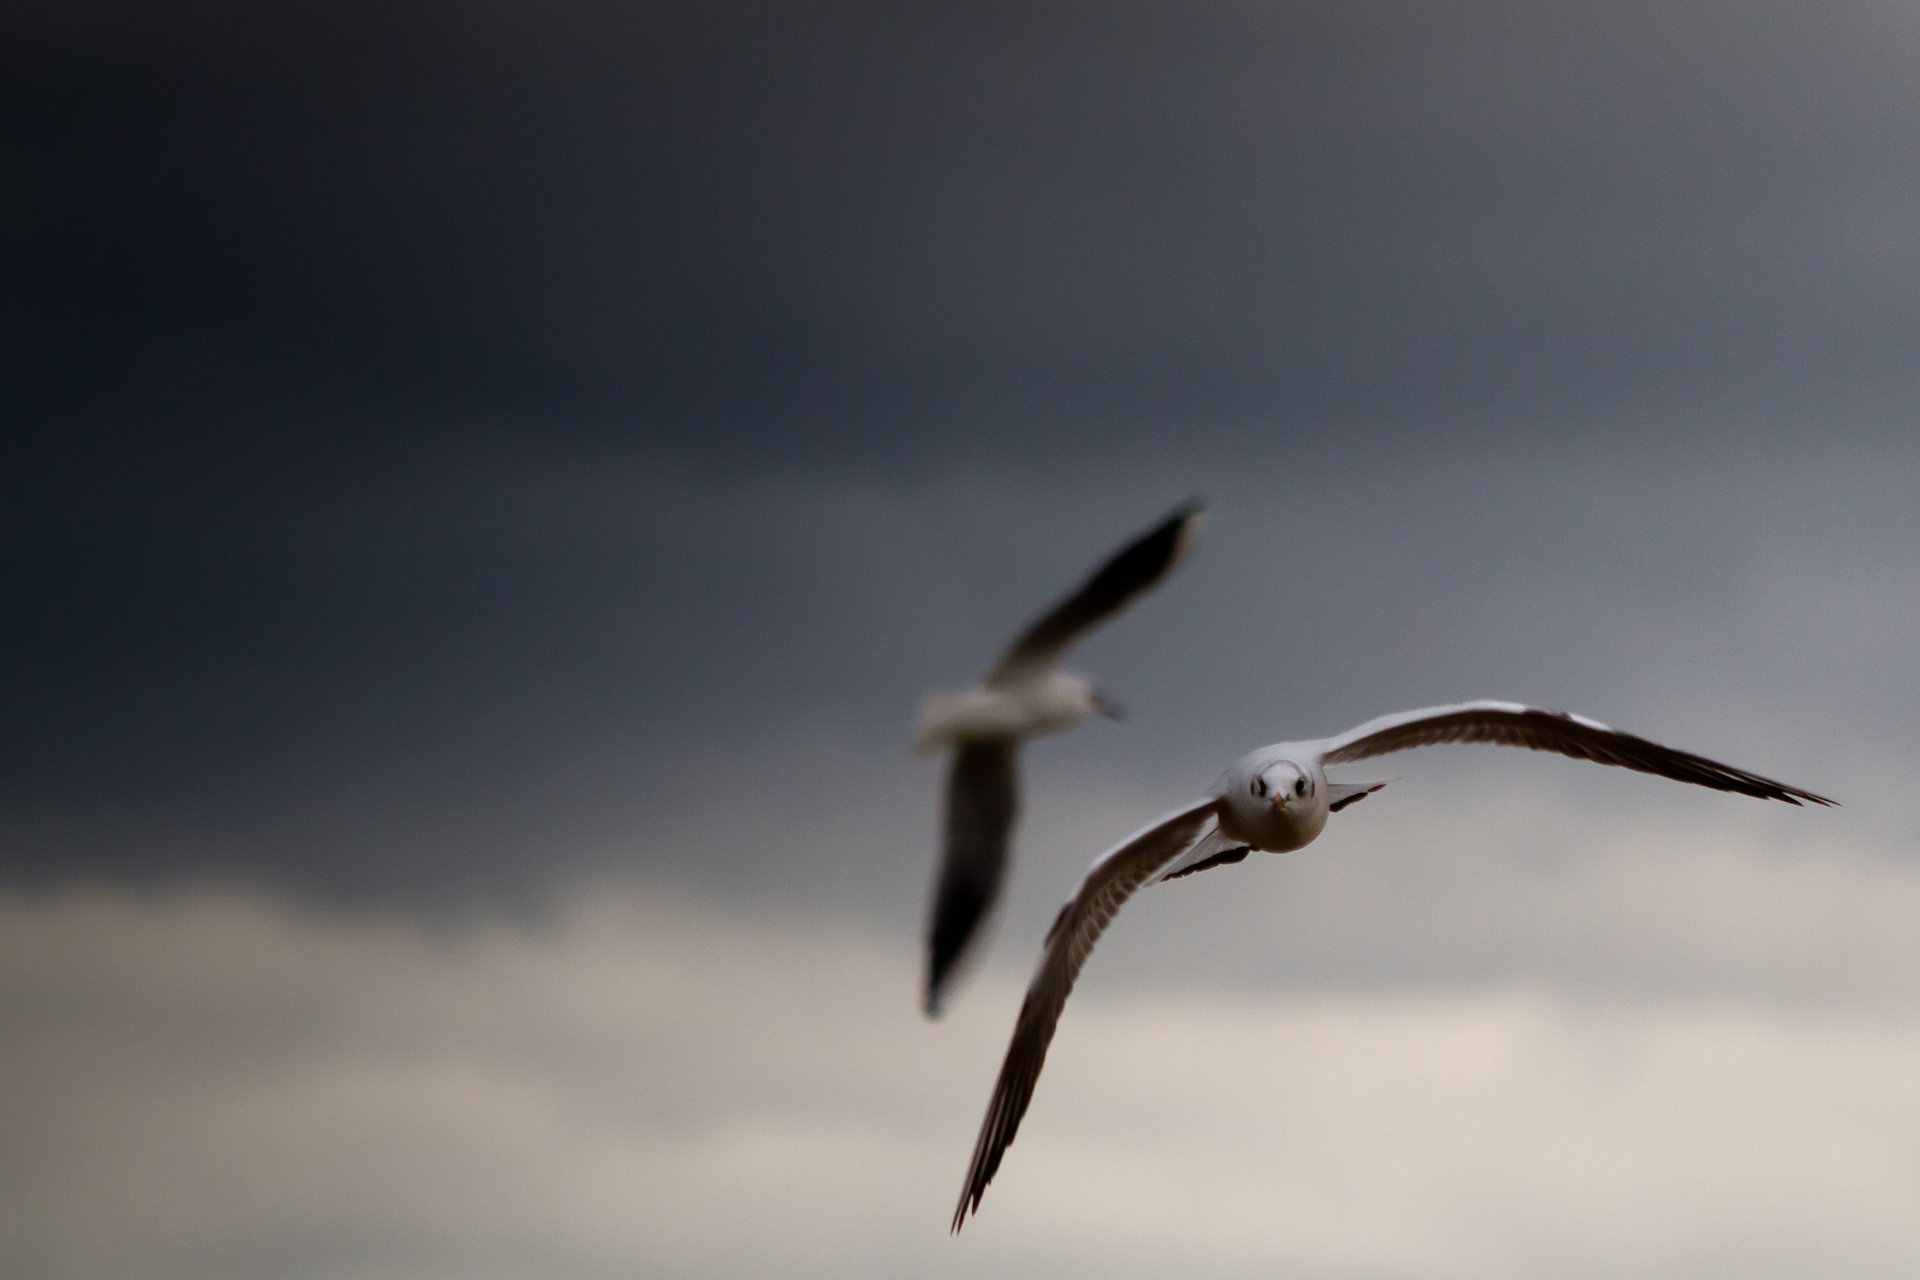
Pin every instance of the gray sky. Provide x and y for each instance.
(492, 487)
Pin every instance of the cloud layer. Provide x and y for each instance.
(215, 1085)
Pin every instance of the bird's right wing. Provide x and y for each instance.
(1108, 883)
(1129, 572)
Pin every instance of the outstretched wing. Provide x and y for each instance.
(1109, 882)
(1510, 724)
(1129, 572)
(983, 794)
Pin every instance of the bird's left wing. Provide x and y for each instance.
(1513, 725)
(1108, 883)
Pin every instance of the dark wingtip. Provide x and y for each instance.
(1188, 519)
(969, 1202)
(950, 941)
(933, 997)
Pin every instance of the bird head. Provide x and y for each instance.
(1281, 784)
(1273, 804)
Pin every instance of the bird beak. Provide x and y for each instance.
(1280, 801)
(1108, 707)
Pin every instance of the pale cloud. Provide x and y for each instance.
(209, 1085)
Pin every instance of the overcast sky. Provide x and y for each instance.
(490, 485)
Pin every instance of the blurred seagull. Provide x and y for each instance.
(1026, 694)
(1275, 800)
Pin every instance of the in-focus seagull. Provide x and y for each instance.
(1275, 800)
(1026, 694)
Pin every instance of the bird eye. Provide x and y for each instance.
(1259, 788)
(1300, 787)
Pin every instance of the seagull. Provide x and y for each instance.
(1275, 800)
(1026, 694)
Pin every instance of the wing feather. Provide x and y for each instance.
(1511, 724)
(983, 795)
(1109, 882)
(1130, 572)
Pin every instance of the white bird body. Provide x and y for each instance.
(1277, 799)
(1248, 816)
(1042, 702)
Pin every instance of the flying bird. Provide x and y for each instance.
(1275, 800)
(1027, 693)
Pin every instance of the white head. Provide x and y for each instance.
(1061, 698)
(1275, 803)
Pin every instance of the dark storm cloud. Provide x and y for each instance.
(697, 223)
(374, 360)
